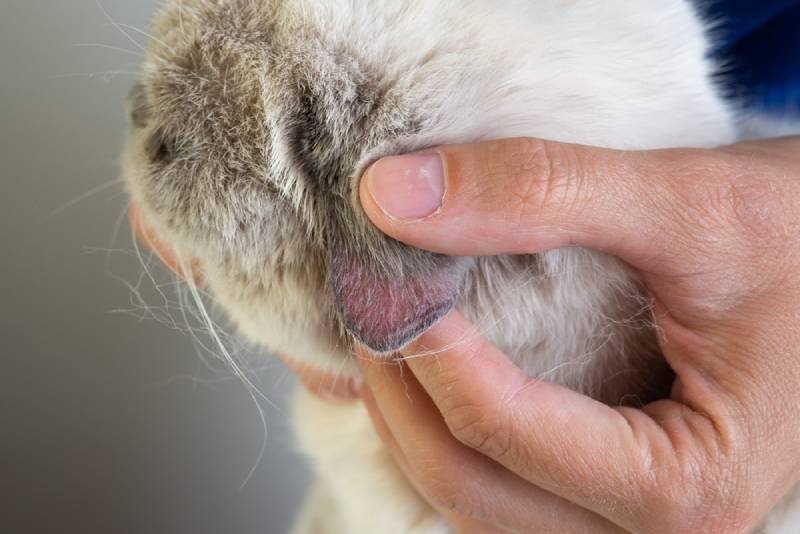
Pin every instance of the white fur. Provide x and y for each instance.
(604, 73)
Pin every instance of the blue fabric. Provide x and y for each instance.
(758, 42)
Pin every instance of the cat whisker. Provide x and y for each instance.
(201, 349)
(187, 292)
(149, 36)
(118, 26)
(108, 47)
(251, 388)
(147, 270)
(144, 310)
(208, 382)
(106, 76)
(84, 196)
(115, 234)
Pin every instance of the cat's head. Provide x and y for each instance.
(249, 133)
(254, 120)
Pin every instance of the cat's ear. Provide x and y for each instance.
(385, 311)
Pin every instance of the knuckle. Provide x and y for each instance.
(754, 209)
(739, 496)
(711, 495)
(490, 429)
(487, 427)
(451, 395)
(734, 216)
(536, 176)
(448, 490)
(479, 428)
(740, 199)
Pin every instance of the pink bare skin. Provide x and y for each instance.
(715, 235)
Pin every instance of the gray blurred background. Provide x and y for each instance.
(110, 420)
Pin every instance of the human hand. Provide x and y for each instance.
(714, 234)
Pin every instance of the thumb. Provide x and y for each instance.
(518, 196)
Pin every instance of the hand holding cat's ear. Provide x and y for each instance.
(466, 487)
(714, 234)
(521, 196)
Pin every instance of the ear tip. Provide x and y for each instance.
(386, 312)
(383, 341)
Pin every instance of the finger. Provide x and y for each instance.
(454, 478)
(527, 195)
(462, 523)
(780, 148)
(465, 525)
(598, 457)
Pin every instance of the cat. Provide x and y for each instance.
(254, 119)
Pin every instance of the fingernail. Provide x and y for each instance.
(408, 187)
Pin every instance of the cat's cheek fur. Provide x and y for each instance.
(291, 322)
(378, 498)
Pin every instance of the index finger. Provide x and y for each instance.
(613, 461)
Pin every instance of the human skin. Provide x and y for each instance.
(714, 236)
